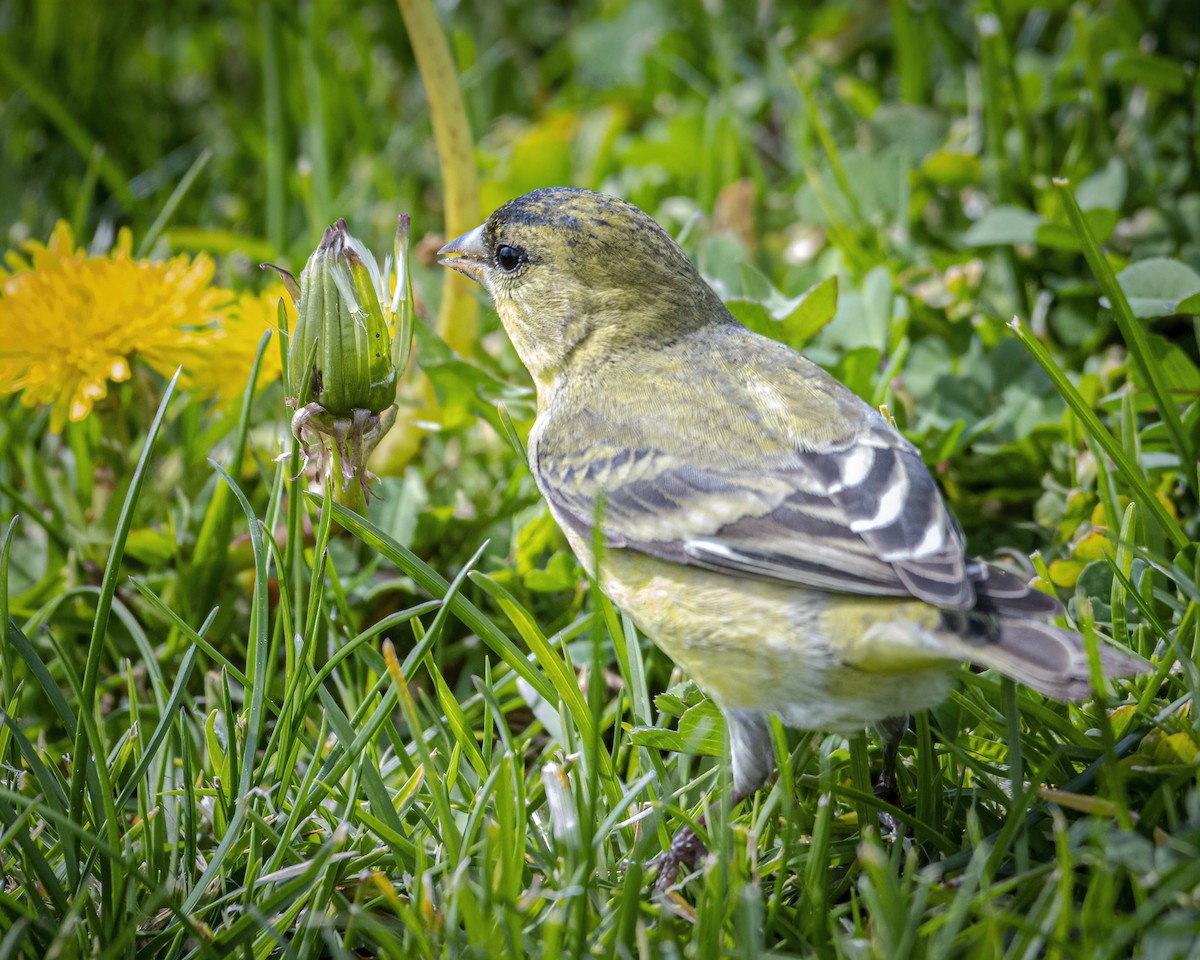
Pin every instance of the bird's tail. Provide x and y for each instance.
(1051, 660)
(1000, 592)
(1007, 631)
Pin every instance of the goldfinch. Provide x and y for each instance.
(763, 525)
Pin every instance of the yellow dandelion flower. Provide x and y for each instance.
(70, 323)
(221, 365)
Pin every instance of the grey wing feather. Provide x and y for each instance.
(898, 510)
(863, 518)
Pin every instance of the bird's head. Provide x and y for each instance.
(580, 276)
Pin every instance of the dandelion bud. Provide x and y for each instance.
(344, 329)
(342, 360)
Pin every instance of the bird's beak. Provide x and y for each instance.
(466, 254)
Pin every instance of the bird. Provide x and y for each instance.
(769, 530)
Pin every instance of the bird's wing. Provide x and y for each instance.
(861, 515)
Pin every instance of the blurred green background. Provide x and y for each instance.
(315, 110)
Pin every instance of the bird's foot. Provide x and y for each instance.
(685, 851)
(890, 828)
(887, 790)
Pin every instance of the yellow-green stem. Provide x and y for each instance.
(349, 495)
(457, 322)
(458, 317)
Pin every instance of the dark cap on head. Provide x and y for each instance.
(568, 208)
(587, 224)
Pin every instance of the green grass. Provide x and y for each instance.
(238, 723)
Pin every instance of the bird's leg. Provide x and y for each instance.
(753, 762)
(891, 732)
(685, 850)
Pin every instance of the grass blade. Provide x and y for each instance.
(88, 741)
(1101, 437)
(168, 210)
(1133, 332)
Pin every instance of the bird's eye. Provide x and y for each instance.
(508, 257)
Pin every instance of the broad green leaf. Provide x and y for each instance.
(911, 131)
(864, 314)
(1060, 236)
(793, 321)
(814, 309)
(754, 315)
(1173, 368)
(951, 169)
(150, 546)
(755, 284)
(679, 698)
(1003, 226)
(1105, 188)
(1158, 287)
(876, 180)
(701, 732)
(561, 573)
(858, 368)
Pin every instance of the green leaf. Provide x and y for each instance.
(1105, 188)
(858, 368)
(1003, 226)
(863, 315)
(953, 170)
(754, 315)
(1189, 304)
(462, 389)
(793, 321)
(670, 704)
(1060, 236)
(701, 732)
(1135, 338)
(813, 310)
(1159, 287)
(1100, 436)
(560, 574)
(755, 283)
(1057, 236)
(905, 129)
(150, 546)
(1095, 584)
(1174, 368)
(679, 698)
